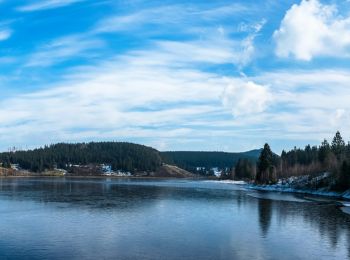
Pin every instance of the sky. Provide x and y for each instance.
(174, 75)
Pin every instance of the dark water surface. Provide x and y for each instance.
(56, 218)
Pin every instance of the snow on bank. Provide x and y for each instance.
(280, 188)
(337, 197)
(302, 184)
(228, 182)
(289, 186)
(234, 182)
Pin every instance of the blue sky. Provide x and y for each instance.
(175, 75)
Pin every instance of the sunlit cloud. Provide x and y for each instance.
(244, 98)
(313, 29)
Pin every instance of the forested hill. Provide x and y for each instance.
(121, 156)
(191, 161)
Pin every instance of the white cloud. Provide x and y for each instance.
(309, 104)
(339, 117)
(165, 19)
(207, 47)
(217, 50)
(247, 48)
(313, 29)
(170, 15)
(130, 99)
(245, 98)
(161, 91)
(213, 46)
(47, 4)
(120, 98)
(214, 49)
(62, 49)
(5, 34)
(251, 27)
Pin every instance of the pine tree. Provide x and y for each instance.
(244, 170)
(266, 169)
(338, 145)
(324, 151)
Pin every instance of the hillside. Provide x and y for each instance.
(171, 171)
(90, 158)
(121, 156)
(192, 161)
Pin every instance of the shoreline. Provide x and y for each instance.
(331, 194)
(269, 188)
(100, 177)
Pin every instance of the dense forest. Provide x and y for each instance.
(333, 158)
(121, 156)
(203, 162)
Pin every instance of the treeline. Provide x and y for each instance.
(121, 156)
(333, 158)
(247, 169)
(203, 162)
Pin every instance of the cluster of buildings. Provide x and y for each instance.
(107, 171)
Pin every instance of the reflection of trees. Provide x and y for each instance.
(86, 193)
(265, 214)
(107, 193)
(330, 221)
(96, 194)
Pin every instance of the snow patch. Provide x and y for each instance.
(303, 184)
(228, 181)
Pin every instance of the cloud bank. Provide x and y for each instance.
(198, 76)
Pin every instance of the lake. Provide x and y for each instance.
(110, 218)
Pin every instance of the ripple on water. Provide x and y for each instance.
(346, 210)
(279, 196)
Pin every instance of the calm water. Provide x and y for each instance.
(142, 219)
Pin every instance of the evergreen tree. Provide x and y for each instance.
(324, 151)
(6, 163)
(244, 170)
(266, 169)
(122, 156)
(201, 162)
(338, 145)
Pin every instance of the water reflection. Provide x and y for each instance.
(165, 219)
(331, 223)
(328, 219)
(265, 215)
(100, 193)
(92, 194)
